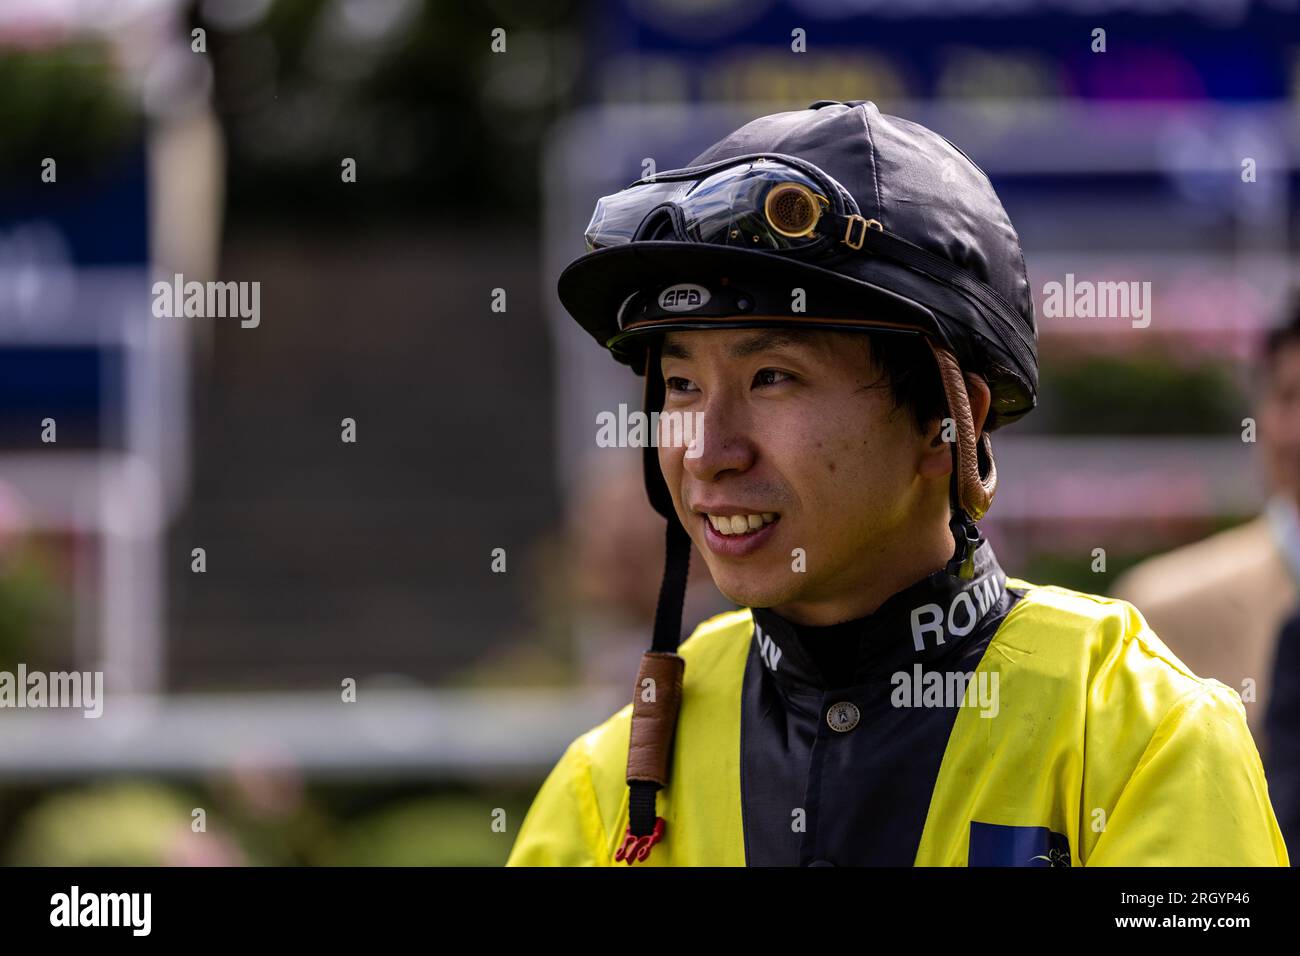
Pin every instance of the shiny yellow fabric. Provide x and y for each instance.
(579, 816)
(1102, 734)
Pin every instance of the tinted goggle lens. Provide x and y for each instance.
(761, 204)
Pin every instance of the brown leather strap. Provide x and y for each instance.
(654, 716)
(974, 493)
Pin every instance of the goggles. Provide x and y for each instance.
(759, 202)
(774, 203)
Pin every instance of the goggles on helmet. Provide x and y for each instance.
(758, 202)
(774, 203)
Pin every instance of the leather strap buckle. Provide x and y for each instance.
(860, 232)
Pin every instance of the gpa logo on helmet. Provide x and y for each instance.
(683, 297)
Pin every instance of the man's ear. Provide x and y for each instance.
(936, 456)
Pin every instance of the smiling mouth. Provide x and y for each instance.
(741, 524)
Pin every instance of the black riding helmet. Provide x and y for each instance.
(885, 226)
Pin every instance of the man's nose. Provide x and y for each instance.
(723, 441)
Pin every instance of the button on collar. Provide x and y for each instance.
(843, 716)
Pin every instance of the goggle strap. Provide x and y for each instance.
(857, 233)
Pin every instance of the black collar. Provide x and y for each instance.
(925, 622)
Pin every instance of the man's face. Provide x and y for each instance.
(802, 445)
(1279, 422)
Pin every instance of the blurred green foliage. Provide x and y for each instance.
(130, 822)
(121, 824)
(436, 123)
(1073, 568)
(1138, 393)
(436, 831)
(62, 102)
(29, 599)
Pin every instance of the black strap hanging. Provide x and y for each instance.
(667, 635)
(650, 745)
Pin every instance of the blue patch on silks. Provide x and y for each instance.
(994, 845)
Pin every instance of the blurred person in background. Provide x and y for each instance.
(1220, 603)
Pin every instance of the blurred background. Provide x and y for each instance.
(210, 139)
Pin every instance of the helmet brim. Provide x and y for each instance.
(594, 288)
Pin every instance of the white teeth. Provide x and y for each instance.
(740, 524)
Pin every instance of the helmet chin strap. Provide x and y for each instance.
(965, 534)
(969, 492)
(656, 700)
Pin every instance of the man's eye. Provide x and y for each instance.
(771, 376)
(676, 384)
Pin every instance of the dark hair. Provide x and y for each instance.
(1281, 336)
(909, 370)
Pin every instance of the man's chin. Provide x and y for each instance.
(748, 592)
